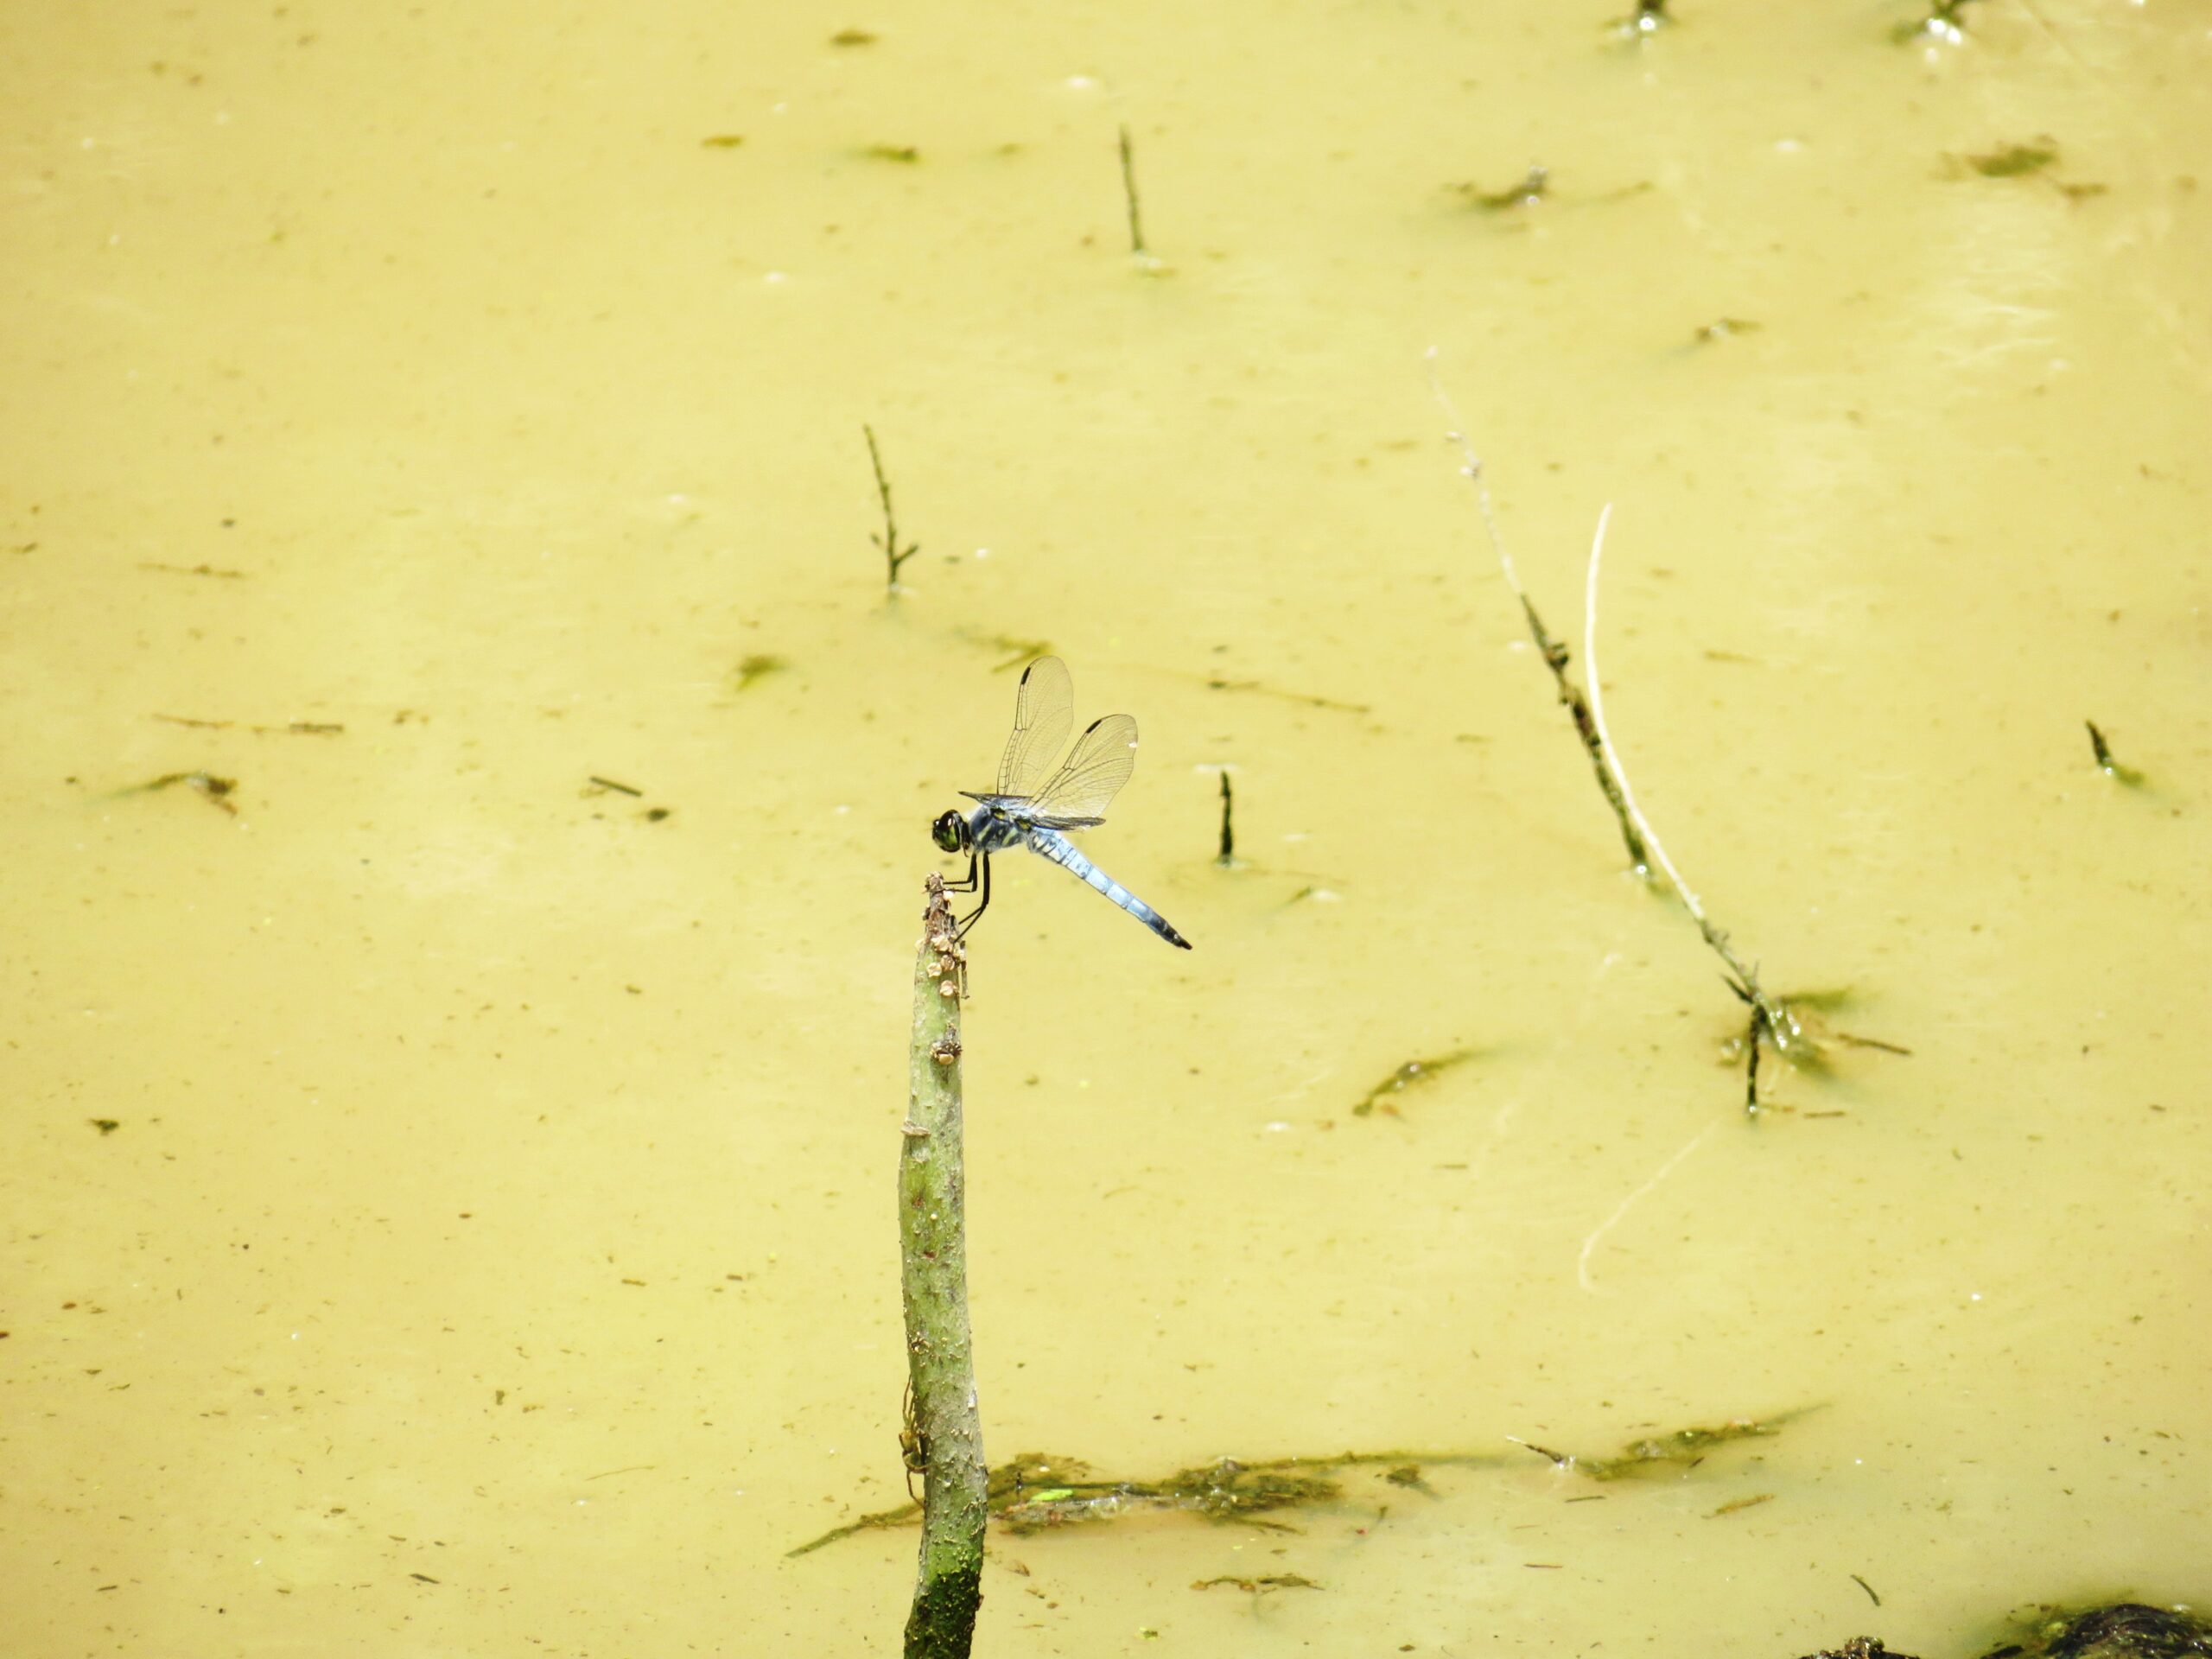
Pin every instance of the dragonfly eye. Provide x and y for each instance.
(950, 832)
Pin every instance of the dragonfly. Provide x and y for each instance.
(1037, 803)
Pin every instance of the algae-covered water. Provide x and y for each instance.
(448, 1200)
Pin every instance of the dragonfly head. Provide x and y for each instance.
(950, 832)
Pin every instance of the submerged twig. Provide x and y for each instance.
(1554, 653)
(1228, 853)
(1525, 192)
(1129, 190)
(894, 554)
(1752, 1062)
(1782, 1027)
(1412, 1072)
(215, 790)
(2105, 764)
(943, 1432)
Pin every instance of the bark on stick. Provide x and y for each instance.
(945, 1436)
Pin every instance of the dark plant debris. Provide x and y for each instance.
(215, 790)
(190, 570)
(1016, 653)
(2111, 768)
(290, 728)
(2034, 159)
(602, 785)
(1260, 1586)
(904, 154)
(1533, 187)
(2120, 1631)
(1217, 684)
(1811, 1034)
(1383, 1096)
(1684, 1449)
(2123, 1630)
(722, 141)
(1227, 856)
(1751, 1503)
(757, 666)
(1129, 191)
(2016, 161)
(852, 37)
(105, 1125)
(1945, 21)
(894, 554)
(1036, 1491)
(1724, 328)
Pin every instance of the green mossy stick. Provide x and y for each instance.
(945, 1436)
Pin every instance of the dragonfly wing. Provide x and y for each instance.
(1044, 714)
(1101, 763)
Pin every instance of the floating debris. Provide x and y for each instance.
(904, 154)
(1408, 1475)
(757, 666)
(1406, 1077)
(1036, 1491)
(1227, 856)
(1685, 1448)
(2123, 1630)
(1751, 1503)
(2105, 764)
(290, 728)
(852, 37)
(1129, 192)
(1020, 651)
(1533, 187)
(1260, 1586)
(105, 1125)
(1648, 18)
(185, 570)
(1942, 22)
(722, 141)
(1724, 328)
(2015, 160)
(1217, 684)
(215, 790)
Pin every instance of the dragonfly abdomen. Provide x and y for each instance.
(1051, 843)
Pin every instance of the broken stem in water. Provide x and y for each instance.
(1782, 1027)
(1554, 653)
(1129, 189)
(894, 554)
(944, 1434)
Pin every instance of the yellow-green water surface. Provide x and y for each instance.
(446, 1203)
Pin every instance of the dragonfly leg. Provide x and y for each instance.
(967, 883)
(979, 877)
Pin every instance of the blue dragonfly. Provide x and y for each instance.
(1036, 804)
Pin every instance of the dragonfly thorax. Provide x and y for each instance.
(981, 829)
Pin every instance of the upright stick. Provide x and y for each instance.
(1553, 651)
(894, 554)
(1129, 189)
(945, 1437)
